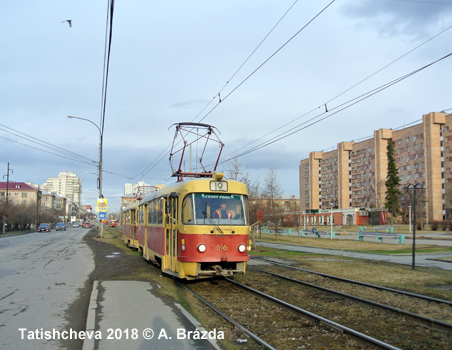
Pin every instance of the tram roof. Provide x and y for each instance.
(182, 185)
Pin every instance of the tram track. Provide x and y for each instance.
(398, 327)
(311, 330)
(381, 288)
(259, 307)
(425, 321)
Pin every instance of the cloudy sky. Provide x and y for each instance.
(277, 66)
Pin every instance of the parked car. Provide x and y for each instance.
(44, 227)
(60, 226)
(87, 225)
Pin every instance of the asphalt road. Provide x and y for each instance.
(40, 276)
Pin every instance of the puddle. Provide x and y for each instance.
(113, 255)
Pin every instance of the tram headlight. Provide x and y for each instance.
(201, 248)
(242, 248)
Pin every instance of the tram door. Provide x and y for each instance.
(171, 233)
(133, 225)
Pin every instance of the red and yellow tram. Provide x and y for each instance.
(193, 229)
(129, 226)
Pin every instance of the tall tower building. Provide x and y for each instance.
(67, 184)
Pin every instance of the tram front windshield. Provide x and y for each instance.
(208, 209)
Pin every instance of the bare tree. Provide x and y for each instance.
(238, 173)
(271, 194)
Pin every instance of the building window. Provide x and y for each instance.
(407, 139)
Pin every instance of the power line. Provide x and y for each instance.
(268, 59)
(67, 154)
(246, 60)
(340, 108)
(55, 154)
(342, 93)
(161, 155)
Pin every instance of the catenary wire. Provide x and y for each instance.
(342, 93)
(260, 66)
(68, 154)
(340, 108)
(160, 157)
(268, 59)
(246, 60)
(94, 163)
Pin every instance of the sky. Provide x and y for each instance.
(277, 79)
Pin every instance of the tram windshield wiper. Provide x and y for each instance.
(212, 222)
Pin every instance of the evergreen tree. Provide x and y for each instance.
(392, 184)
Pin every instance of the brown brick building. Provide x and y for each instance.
(354, 174)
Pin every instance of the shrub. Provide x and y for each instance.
(434, 225)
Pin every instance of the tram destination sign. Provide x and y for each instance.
(219, 186)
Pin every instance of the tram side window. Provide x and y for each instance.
(159, 208)
(154, 213)
(141, 214)
(150, 215)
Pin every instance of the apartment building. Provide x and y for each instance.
(140, 190)
(67, 184)
(18, 193)
(354, 174)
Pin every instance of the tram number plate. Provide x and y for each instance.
(219, 186)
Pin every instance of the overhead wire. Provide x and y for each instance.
(49, 152)
(246, 60)
(67, 154)
(342, 93)
(269, 58)
(160, 157)
(340, 108)
(107, 52)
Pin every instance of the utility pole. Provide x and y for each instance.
(6, 200)
(416, 187)
(38, 198)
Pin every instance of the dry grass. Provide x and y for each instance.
(355, 245)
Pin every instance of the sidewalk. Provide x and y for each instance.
(421, 260)
(127, 315)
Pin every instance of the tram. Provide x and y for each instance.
(180, 228)
(129, 225)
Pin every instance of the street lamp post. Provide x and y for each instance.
(99, 179)
(331, 222)
(409, 217)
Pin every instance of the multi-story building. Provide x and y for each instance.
(67, 184)
(354, 174)
(18, 193)
(140, 189)
(128, 200)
